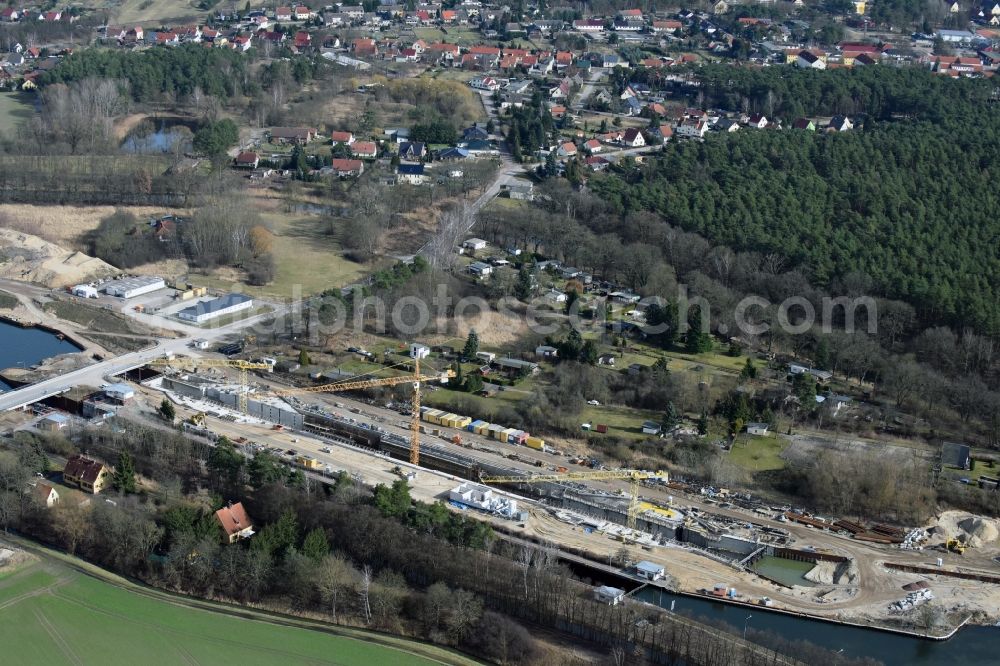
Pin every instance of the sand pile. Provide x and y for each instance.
(833, 573)
(31, 259)
(972, 530)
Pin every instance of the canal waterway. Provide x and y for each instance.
(24, 347)
(971, 645)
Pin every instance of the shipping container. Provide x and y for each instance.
(496, 432)
(519, 437)
(473, 427)
(462, 422)
(508, 435)
(483, 428)
(534, 442)
(602, 427)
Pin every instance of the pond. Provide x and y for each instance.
(24, 347)
(162, 137)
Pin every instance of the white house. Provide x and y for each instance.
(692, 127)
(474, 244)
(649, 570)
(809, 60)
(418, 350)
(609, 595)
(757, 429)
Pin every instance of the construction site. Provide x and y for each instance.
(710, 541)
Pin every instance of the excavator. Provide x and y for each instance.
(955, 546)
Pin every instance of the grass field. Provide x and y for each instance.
(15, 108)
(758, 454)
(93, 318)
(52, 614)
(307, 260)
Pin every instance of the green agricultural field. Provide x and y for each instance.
(758, 454)
(15, 108)
(51, 613)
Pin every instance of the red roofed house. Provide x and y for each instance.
(341, 137)
(667, 26)
(589, 25)
(247, 160)
(45, 494)
(283, 14)
(344, 167)
(87, 474)
(564, 58)
(593, 146)
(449, 15)
(635, 13)
(301, 13)
(242, 42)
(9, 14)
(364, 149)
(50, 17)
(558, 111)
(302, 39)
(235, 523)
(364, 47)
(567, 149)
(167, 38)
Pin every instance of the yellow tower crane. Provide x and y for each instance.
(194, 363)
(633, 475)
(416, 378)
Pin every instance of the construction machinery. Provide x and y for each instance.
(955, 546)
(416, 378)
(194, 364)
(633, 475)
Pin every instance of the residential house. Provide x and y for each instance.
(545, 351)
(692, 127)
(87, 474)
(412, 174)
(556, 296)
(759, 429)
(757, 121)
(474, 244)
(364, 149)
(804, 124)
(567, 149)
(669, 26)
(452, 154)
(727, 125)
(50, 17)
(347, 167)
(606, 359)
(45, 494)
(363, 46)
(514, 366)
(589, 25)
(341, 137)
(475, 133)
(294, 135)
(485, 83)
(593, 146)
(809, 60)
(840, 124)
(53, 422)
(597, 163)
(633, 138)
(247, 160)
(167, 38)
(650, 428)
(302, 39)
(301, 13)
(10, 15)
(283, 14)
(234, 522)
(522, 191)
(956, 455)
(412, 150)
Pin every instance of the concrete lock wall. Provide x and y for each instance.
(187, 389)
(261, 410)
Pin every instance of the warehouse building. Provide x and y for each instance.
(134, 286)
(217, 307)
(85, 291)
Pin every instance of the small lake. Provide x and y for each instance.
(971, 645)
(164, 137)
(787, 572)
(24, 347)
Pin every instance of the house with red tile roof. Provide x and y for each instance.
(364, 47)
(247, 160)
(347, 167)
(366, 149)
(235, 523)
(283, 14)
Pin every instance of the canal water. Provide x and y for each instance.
(24, 347)
(971, 645)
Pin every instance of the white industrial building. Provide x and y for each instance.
(217, 307)
(649, 570)
(609, 595)
(134, 286)
(84, 291)
(119, 392)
